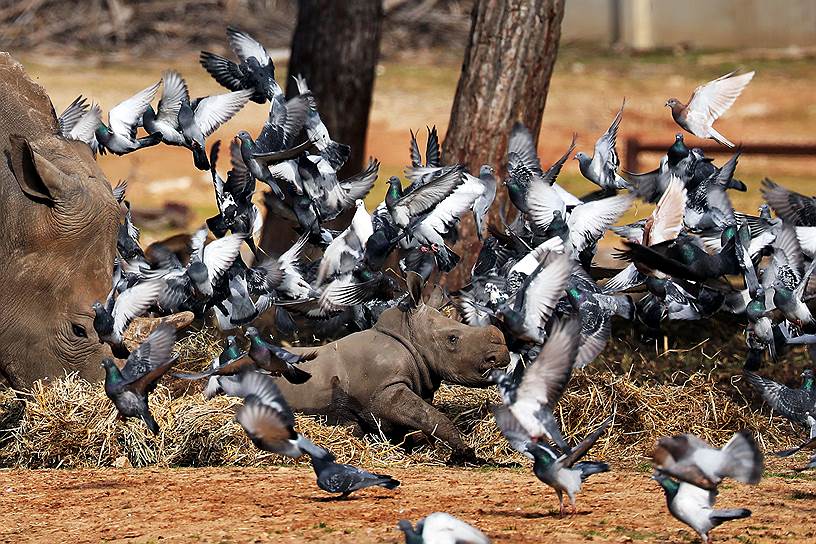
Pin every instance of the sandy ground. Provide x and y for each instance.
(282, 504)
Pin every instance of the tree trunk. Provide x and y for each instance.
(335, 46)
(505, 78)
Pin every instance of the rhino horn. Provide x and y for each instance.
(38, 177)
(438, 298)
(141, 327)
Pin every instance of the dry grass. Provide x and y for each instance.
(72, 424)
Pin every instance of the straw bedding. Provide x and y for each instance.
(70, 423)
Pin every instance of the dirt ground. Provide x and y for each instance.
(282, 504)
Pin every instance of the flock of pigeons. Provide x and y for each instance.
(534, 277)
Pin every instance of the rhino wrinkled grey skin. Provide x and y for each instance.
(385, 377)
(58, 225)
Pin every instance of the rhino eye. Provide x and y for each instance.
(79, 330)
(453, 339)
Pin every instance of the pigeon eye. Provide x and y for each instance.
(79, 330)
(453, 339)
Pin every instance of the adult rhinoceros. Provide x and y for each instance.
(385, 377)
(58, 224)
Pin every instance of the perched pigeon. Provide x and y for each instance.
(344, 479)
(268, 420)
(688, 458)
(129, 387)
(119, 136)
(707, 104)
(441, 528)
(602, 167)
(694, 506)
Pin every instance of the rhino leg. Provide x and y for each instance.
(400, 406)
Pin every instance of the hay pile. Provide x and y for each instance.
(72, 424)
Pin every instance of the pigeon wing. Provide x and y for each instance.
(245, 46)
(213, 111)
(224, 71)
(521, 143)
(426, 197)
(72, 114)
(546, 377)
(589, 221)
(542, 201)
(125, 116)
(153, 353)
(789, 403)
(793, 207)
(220, 254)
(666, 220)
(710, 100)
(134, 302)
(174, 94)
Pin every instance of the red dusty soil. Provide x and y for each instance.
(282, 504)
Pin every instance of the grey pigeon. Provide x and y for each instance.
(267, 418)
(694, 506)
(119, 136)
(129, 387)
(688, 458)
(532, 400)
(441, 528)
(707, 104)
(345, 479)
(79, 122)
(255, 70)
(602, 167)
(793, 404)
(482, 205)
(563, 472)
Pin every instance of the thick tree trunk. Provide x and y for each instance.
(505, 78)
(335, 46)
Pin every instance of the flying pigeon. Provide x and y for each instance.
(532, 400)
(694, 506)
(602, 167)
(129, 387)
(112, 319)
(334, 477)
(441, 528)
(563, 472)
(707, 104)
(268, 420)
(119, 136)
(482, 205)
(793, 404)
(277, 360)
(79, 122)
(687, 458)
(255, 72)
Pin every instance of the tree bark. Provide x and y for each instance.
(335, 46)
(505, 78)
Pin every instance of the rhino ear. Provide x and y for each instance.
(415, 285)
(438, 298)
(38, 177)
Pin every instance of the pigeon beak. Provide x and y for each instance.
(666, 104)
